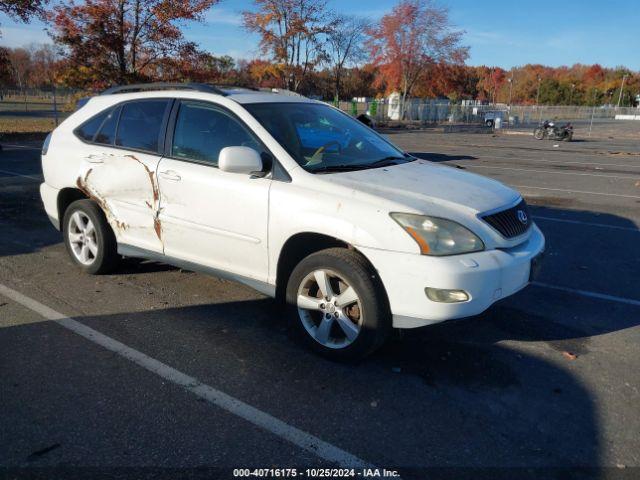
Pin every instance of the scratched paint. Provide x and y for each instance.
(84, 185)
(124, 187)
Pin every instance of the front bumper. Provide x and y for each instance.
(486, 276)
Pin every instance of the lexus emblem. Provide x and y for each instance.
(522, 216)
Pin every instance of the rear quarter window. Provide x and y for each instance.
(88, 129)
(107, 132)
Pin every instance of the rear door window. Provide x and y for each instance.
(140, 125)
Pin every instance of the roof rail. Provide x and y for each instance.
(236, 87)
(281, 91)
(141, 87)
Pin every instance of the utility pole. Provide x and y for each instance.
(510, 80)
(573, 86)
(624, 77)
(593, 111)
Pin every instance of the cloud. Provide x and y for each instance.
(223, 16)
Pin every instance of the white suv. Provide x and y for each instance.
(291, 197)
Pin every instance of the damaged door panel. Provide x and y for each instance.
(125, 186)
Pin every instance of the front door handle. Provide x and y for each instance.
(170, 175)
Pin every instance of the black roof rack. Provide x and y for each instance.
(141, 87)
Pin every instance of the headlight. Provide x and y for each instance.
(437, 236)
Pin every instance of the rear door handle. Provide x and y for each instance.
(170, 175)
(95, 158)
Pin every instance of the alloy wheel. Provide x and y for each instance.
(329, 308)
(83, 239)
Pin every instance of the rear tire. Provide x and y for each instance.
(538, 134)
(488, 123)
(89, 239)
(338, 304)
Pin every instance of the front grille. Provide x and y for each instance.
(509, 223)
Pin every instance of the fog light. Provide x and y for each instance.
(446, 296)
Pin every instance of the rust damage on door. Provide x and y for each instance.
(134, 185)
(83, 184)
(157, 225)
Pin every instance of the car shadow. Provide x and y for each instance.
(441, 157)
(454, 400)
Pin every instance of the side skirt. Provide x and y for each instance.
(136, 252)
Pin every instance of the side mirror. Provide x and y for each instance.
(239, 160)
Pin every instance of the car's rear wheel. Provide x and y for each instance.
(489, 123)
(88, 238)
(338, 304)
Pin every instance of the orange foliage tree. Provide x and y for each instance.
(416, 34)
(22, 10)
(293, 33)
(120, 41)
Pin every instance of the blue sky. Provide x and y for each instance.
(502, 33)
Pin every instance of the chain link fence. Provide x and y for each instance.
(42, 110)
(588, 121)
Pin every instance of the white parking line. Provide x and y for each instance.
(575, 191)
(586, 293)
(589, 224)
(6, 172)
(232, 405)
(471, 165)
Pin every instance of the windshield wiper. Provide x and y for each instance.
(338, 168)
(383, 162)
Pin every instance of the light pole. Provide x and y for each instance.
(538, 100)
(624, 77)
(573, 86)
(510, 80)
(593, 111)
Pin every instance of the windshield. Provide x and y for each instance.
(323, 139)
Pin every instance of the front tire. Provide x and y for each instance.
(89, 239)
(338, 305)
(489, 123)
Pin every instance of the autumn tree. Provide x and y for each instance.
(122, 41)
(5, 68)
(415, 35)
(264, 73)
(345, 45)
(22, 10)
(292, 33)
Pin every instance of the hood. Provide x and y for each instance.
(427, 187)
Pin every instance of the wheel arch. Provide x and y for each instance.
(301, 245)
(66, 197)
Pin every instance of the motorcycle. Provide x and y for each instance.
(551, 131)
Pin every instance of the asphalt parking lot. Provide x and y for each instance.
(164, 368)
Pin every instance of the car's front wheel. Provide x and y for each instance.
(338, 304)
(88, 237)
